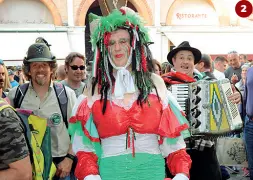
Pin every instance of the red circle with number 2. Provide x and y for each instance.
(243, 8)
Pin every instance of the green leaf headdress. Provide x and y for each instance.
(101, 27)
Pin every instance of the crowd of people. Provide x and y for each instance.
(121, 124)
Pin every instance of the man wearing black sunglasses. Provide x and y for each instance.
(75, 70)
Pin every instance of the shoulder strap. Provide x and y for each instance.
(27, 133)
(4, 95)
(3, 104)
(23, 125)
(84, 87)
(20, 94)
(62, 100)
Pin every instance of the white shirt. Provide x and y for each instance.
(219, 75)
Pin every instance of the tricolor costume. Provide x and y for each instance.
(118, 140)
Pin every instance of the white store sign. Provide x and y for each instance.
(24, 12)
(193, 12)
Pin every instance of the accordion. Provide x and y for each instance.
(207, 107)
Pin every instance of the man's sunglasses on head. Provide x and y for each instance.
(75, 67)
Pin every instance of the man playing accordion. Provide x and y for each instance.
(201, 149)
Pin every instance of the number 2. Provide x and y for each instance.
(243, 8)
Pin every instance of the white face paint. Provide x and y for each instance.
(119, 47)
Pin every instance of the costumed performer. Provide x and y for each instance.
(127, 122)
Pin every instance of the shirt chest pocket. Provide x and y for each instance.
(55, 119)
(52, 111)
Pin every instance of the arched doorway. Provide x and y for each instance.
(28, 20)
(53, 10)
(189, 14)
(141, 7)
(192, 12)
(198, 22)
(95, 9)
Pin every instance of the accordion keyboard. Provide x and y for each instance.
(233, 108)
(180, 92)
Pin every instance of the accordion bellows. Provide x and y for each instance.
(208, 108)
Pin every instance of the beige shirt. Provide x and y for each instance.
(50, 110)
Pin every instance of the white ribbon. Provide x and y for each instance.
(136, 37)
(124, 82)
(180, 176)
(92, 177)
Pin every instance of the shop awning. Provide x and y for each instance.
(13, 46)
(213, 40)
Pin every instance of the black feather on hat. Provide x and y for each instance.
(42, 40)
(184, 46)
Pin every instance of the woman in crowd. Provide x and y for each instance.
(241, 84)
(157, 67)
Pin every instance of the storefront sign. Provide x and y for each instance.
(24, 12)
(193, 12)
(191, 16)
(25, 21)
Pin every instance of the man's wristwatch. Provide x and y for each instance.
(70, 156)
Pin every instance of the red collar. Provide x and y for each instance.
(177, 78)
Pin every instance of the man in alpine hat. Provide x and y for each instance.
(41, 98)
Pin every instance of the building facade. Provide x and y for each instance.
(210, 25)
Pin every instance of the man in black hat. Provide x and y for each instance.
(205, 165)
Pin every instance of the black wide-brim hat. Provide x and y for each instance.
(184, 46)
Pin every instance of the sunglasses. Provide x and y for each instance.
(1, 62)
(75, 67)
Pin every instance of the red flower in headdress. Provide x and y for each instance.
(136, 27)
(107, 36)
(122, 11)
(129, 24)
(97, 61)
